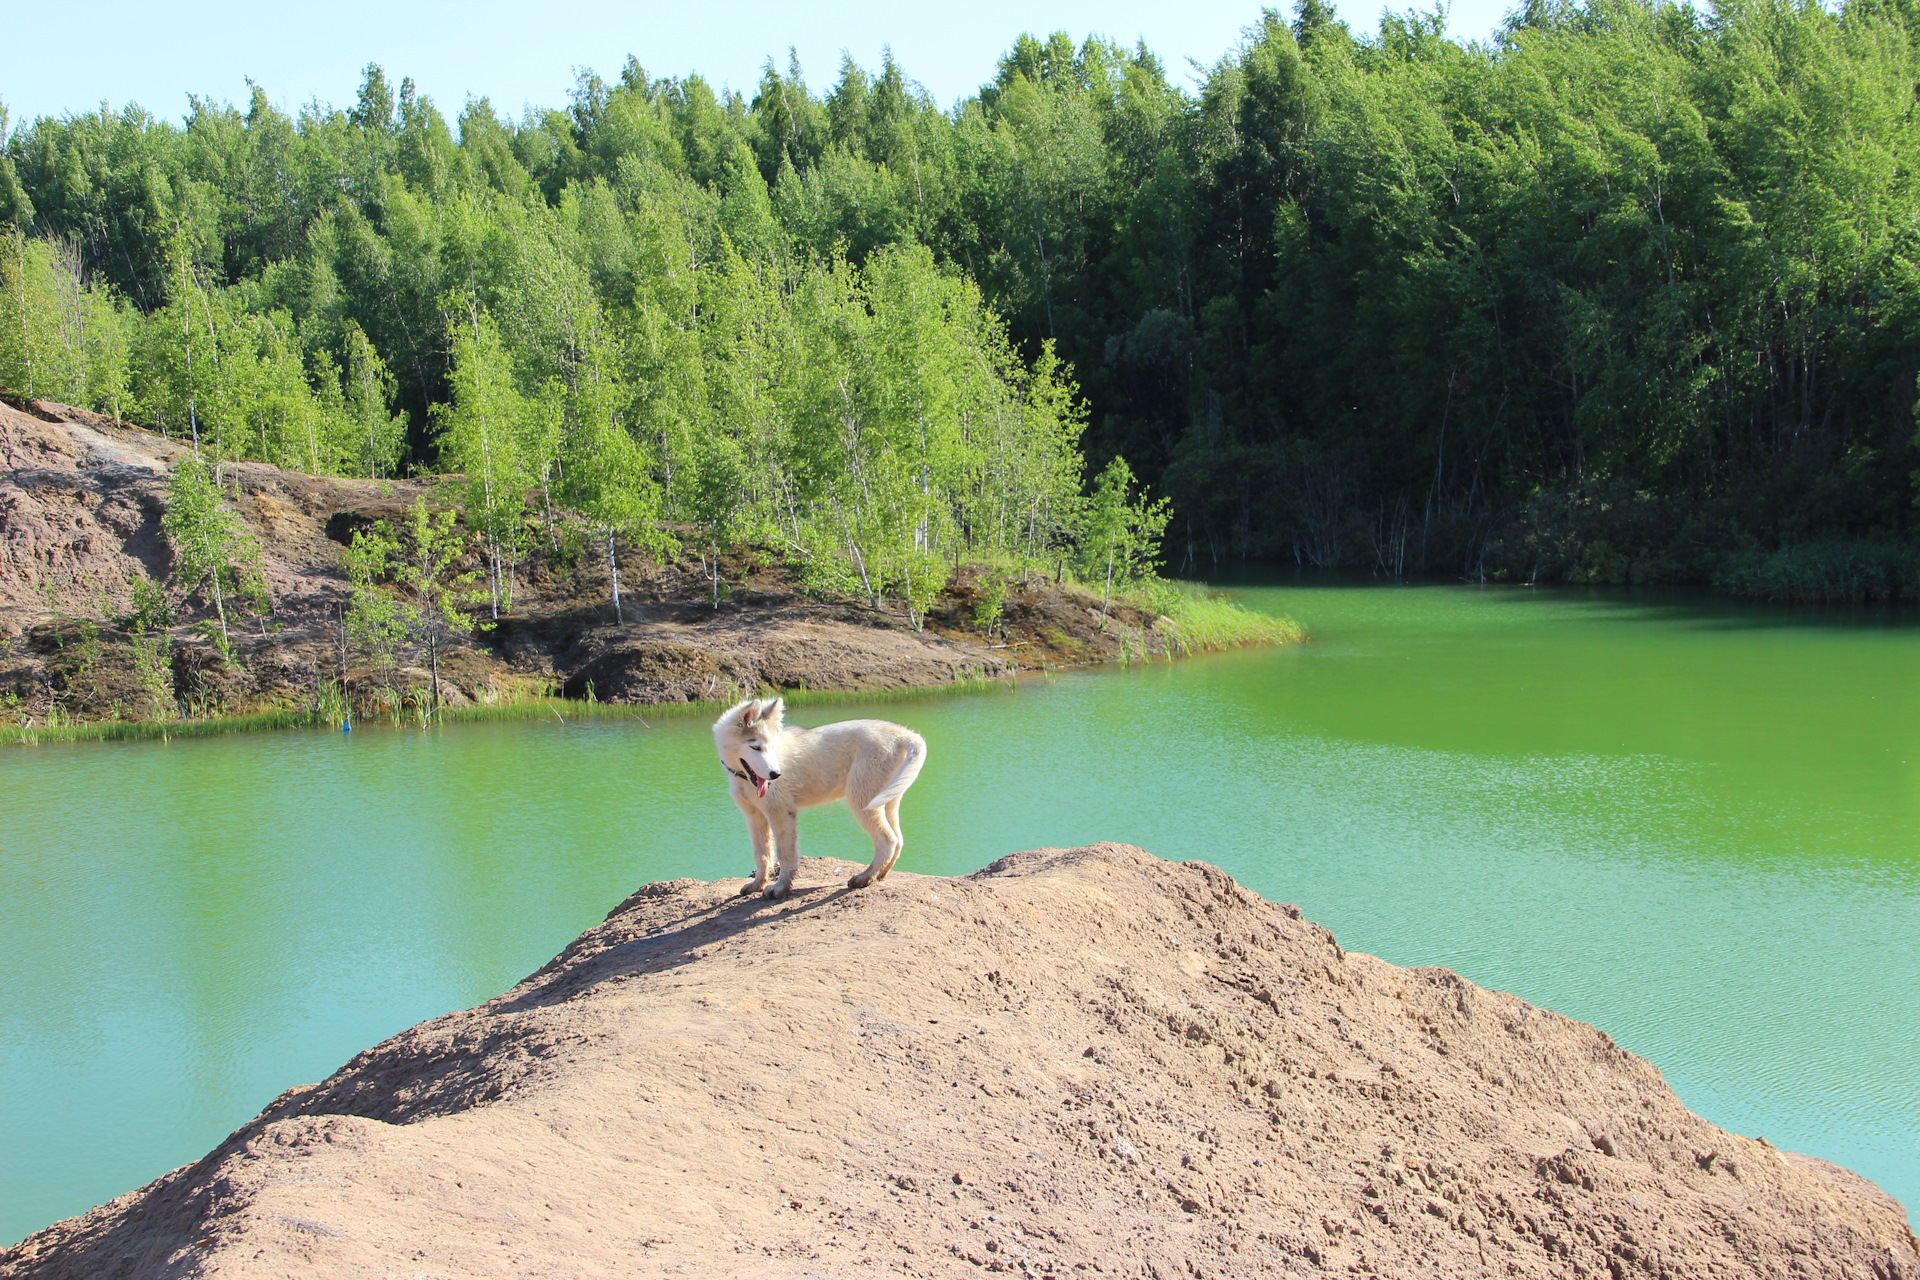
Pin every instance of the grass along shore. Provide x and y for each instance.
(1189, 619)
(513, 704)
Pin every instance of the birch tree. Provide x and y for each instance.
(480, 435)
(212, 550)
(1119, 532)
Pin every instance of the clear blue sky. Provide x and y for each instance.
(70, 56)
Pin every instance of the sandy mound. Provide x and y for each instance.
(1073, 1061)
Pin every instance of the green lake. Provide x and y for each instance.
(1689, 822)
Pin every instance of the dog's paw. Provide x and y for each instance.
(751, 887)
(776, 891)
(860, 881)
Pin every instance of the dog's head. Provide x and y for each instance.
(748, 739)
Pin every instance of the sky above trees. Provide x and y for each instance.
(125, 51)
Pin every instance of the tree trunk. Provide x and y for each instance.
(220, 607)
(346, 697)
(186, 332)
(1107, 597)
(1046, 277)
(866, 584)
(493, 574)
(613, 574)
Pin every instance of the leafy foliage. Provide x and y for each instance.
(1120, 532)
(1355, 289)
(410, 592)
(212, 550)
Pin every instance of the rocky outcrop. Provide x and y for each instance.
(80, 507)
(1072, 1062)
(672, 661)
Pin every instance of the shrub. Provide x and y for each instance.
(1826, 571)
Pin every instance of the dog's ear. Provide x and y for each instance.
(776, 708)
(749, 714)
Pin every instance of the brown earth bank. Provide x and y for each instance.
(1085, 1062)
(81, 500)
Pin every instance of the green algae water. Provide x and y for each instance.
(1691, 823)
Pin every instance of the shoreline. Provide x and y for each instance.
(540, 706)
(530, 708)
(101, 640)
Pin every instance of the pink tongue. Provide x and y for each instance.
(760, 785)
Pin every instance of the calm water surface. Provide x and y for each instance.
(1689, 823)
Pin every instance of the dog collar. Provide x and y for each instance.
(736, 773)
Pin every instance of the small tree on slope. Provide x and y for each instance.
(1119, 536)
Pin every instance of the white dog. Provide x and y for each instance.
(780, 769)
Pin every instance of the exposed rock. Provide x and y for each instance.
(80, 507)
(1086, 1061)
(624, 670)
(681, 663)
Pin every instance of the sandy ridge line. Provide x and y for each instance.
(1082, 1061)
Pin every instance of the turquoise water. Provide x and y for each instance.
(1688, 822)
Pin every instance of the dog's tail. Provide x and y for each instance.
(903, 776)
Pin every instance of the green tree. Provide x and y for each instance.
(380, 435)
(29, 343)
(607, 480)
(1119, 532)
(378, 620)
(481, 434)
(59, 339)
(212, 550)
(718, 500)
(430, 598)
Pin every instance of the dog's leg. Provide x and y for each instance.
(786, 839)
(899, 839)
(761, 834)
(886, 846)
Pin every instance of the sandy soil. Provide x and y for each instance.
(81, 500)
(1073, 1062)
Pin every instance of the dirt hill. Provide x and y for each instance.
(1073, 1062)
(81, 499)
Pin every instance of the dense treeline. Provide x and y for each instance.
(1617, 296)
(632, 350)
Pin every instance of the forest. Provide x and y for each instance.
(1625, 294)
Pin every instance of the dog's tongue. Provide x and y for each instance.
(760, 785)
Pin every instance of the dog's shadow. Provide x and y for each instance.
(665, 947)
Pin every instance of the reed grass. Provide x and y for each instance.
(1205, 620)
(146, 730)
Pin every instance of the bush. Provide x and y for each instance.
(1827, 571)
